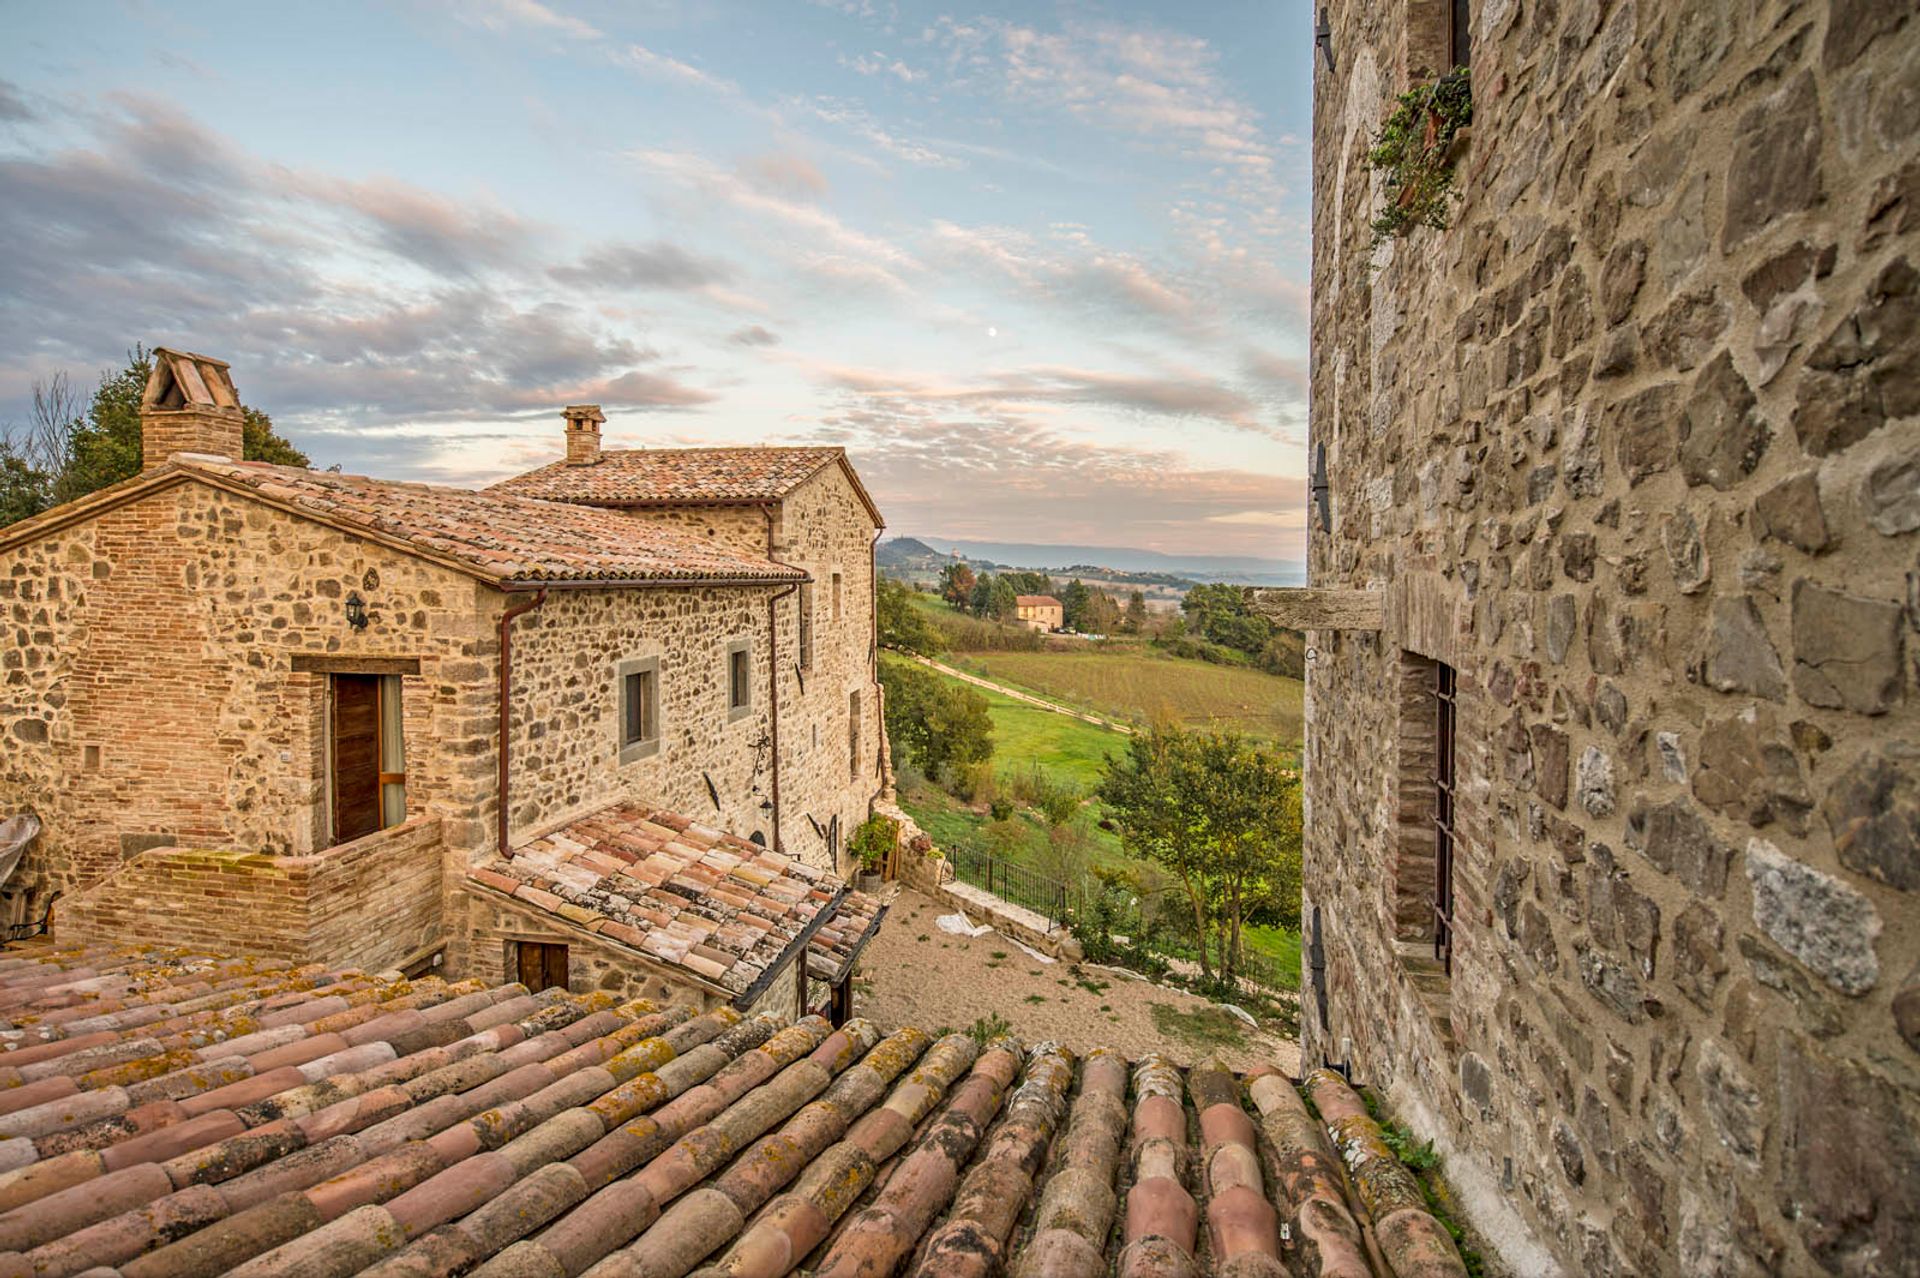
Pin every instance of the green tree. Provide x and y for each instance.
(1003, 601)
(1221, 813)
(934, 723)
(1073, 605)
(904, 627)
(980, 598)
(956, 584)
(24, 491)
(1136, 616)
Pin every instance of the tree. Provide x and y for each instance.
(1136, 616)
(980, 598)
(1003, 601)
(1221, 813)
(1073, 605)
(956, 584)
(902, 626)
(933, 722)
(66, 454)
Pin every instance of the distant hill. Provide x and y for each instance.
(920, 553)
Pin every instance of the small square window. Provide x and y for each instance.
(639, 695)
(739, 678)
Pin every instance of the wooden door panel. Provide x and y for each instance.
(542, 966)
(356, 756)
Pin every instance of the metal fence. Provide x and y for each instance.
(1013, 883)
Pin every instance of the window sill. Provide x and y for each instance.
(1432, 987)
(637, 750)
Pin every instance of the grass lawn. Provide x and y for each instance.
(1022, 734)
(1135, 682)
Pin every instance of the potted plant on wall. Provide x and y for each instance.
(1416, 149)
(873, 842)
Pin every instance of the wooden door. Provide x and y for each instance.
(356, 756)
(542, 966)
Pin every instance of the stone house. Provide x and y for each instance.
(797, 506)
(286, 711)
(1043, 613)
(1613, 794)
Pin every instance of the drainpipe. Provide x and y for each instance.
(506, 692)
(881, 760)
(773, 678)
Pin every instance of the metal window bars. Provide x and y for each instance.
(1443, 795)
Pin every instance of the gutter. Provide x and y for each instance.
(773, 670)
(506, 695)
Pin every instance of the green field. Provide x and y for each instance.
(1072, 750)
(1137, 683)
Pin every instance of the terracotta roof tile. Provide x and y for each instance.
(487, 1130)
(725, 909)
(494, 535)
(675, 476)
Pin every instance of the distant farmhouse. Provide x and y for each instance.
(1043, 613)
(608, 724)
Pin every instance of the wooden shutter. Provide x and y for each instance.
(542, 966)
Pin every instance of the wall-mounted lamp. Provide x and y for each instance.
(356, 610)
(1318, 490)
(1323, 38)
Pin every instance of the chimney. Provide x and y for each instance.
(583, 433)
(189, 406)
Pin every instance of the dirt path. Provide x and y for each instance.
(1124, 729)
(914, 974)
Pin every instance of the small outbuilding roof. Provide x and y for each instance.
(724, 910)
(1037, 601)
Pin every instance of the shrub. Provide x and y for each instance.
(1001, 809)
(969, 783)
(873, 840)
(1414, 149)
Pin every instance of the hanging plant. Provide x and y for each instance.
(1415, 149)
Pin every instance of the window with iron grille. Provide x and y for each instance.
(1444, 719)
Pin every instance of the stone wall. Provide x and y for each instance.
(147, 695)
(824, 529)
(565, 748)
(371, 903)
(1633, 447)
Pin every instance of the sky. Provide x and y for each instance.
(1041, 268)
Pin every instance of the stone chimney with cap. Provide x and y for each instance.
(583, 433)
(189, 406)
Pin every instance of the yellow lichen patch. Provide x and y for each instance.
(137, 1070)
(641, 1059)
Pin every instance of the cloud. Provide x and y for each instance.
(877, 63)
(12, 105)
(657, 265)
(1173, 394)
(753, 335)
(1002, 476)
(1160, 87)
(816, 240)
(856, 120)
(505, 15)
(659, 66)
(785, 174)
(158, 230)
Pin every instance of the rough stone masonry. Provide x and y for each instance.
(1634, 447)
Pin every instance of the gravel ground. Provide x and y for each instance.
(914, 974)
